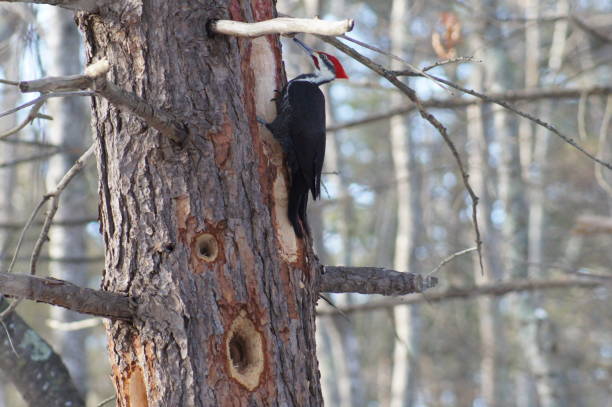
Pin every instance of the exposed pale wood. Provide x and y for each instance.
(281, 25)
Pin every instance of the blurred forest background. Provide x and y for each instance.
(393, 198)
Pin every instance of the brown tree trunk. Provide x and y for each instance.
(198, 233)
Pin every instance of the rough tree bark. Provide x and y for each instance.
(197, 233)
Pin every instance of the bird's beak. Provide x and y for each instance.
(306, 47)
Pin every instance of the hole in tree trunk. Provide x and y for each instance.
(206, 247)
(244, 352)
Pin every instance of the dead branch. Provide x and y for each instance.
(452, 293)
(373, 280)
(281, 25)
(94, 79)
(64, 294)
(38, 103)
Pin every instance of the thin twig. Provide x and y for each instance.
(35, 157)
(450, 258)
(38, 102)
(451, 61)
(534, 119)
(54, 195)
(390, 55)
(8, 335)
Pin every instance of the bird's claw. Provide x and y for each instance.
(261, 121)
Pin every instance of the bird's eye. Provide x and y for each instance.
(316, 62)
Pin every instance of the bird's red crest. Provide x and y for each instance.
(340, 73)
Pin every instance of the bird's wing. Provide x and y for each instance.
(307, 131)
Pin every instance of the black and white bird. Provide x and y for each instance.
(300, 129)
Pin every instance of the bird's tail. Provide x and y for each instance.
(298, 202)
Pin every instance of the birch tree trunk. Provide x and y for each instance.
(538, 336)
(69, 128)
(407, 319)
(198, 233)
(489, 317)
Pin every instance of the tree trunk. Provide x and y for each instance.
(69, 129)
(540, 337)
(407, 319)
(198, 233)
(489, 316)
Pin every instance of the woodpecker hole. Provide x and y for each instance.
(245, 352)
(207, 248)
(239, 353)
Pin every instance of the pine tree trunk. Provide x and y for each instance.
(198, 233)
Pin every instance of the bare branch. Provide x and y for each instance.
(35, 157)
(94, 79)
(451, 258)
(64, 294)
(452, 293)
(373, 280)
(281, 25)
(534, 119)
(38, 102)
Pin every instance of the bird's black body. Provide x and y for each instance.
(300, 129)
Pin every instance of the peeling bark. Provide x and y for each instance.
(198, 232)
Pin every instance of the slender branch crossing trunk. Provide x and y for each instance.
(198, 233)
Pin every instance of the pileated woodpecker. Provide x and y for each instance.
(300, 129)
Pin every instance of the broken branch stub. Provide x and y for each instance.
(281, 25)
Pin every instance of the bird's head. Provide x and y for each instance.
(326, 64)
